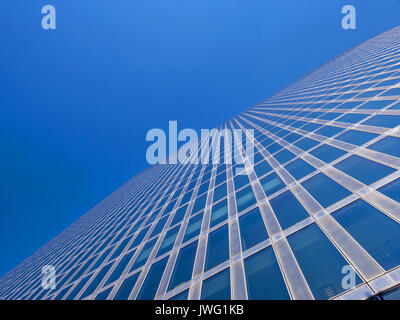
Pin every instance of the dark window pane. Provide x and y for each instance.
(184, 265)
(153, 279)
(193, 228)
(324, 275)
(264, 278)
(377, 233)
(299, 168)
(126, 287)
(252, 229)
(271, 184)
(219, 213)
(217, 287)
(325, 190)
(363, 170)
(245, 198)
(288, 209)
(217, 247)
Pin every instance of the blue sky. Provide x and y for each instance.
(76, 102)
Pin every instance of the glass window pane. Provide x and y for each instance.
(120, 267)
(217, 287)
(264, 278)
(363, 170)
(355, 137)
(159, 226)
(179, 215)
(327, 153)
(299, 168)
(219, 213)
(144, 254)
(199, 204)
(219, 192)
(126, 287)
(271, 184)
(392, 190)
(284, 156)
(194, 227)
(386, 121)
(325, 190)
(184, 265)
(262, 168)
(96, 281)
(324, 275)
(288, 209)
(389, 145)
(168, 241)
(306, 144)
(252, 229)
(153, 279)
(377, 233)
(217, 247)
(245, 198)
(241, 180)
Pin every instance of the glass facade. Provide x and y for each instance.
(316, 217)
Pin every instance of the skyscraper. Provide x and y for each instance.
(316, 217)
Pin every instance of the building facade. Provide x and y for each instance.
(316, 217)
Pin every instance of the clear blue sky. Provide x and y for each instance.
(76, 103)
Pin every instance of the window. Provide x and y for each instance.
(284, 156)
(139, 237)
(352, 117)
(263, 276)
(389, 145)
(153, 279)
(245, 198)
(199, 204)
(327, 153)
(219, 213)
(144, 254)
(96, 281)
(262, 168)
(78, 288)
(271, 184)
(193, 228)
(355, 137)
(179, 215)
(126, 287)
(387, 121)
(184, 265)
(392, 190)
(252, 229)
(159, 226)
(329, 131)
(299, 168)
(217, 247)
(240, 181)
(219, 192)
(288, 209)
(323, 274)
(306, 144)
(168, 241)
(120, 267)
(217, 287)
(376, 232)
(364, 170)
(325, 190)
